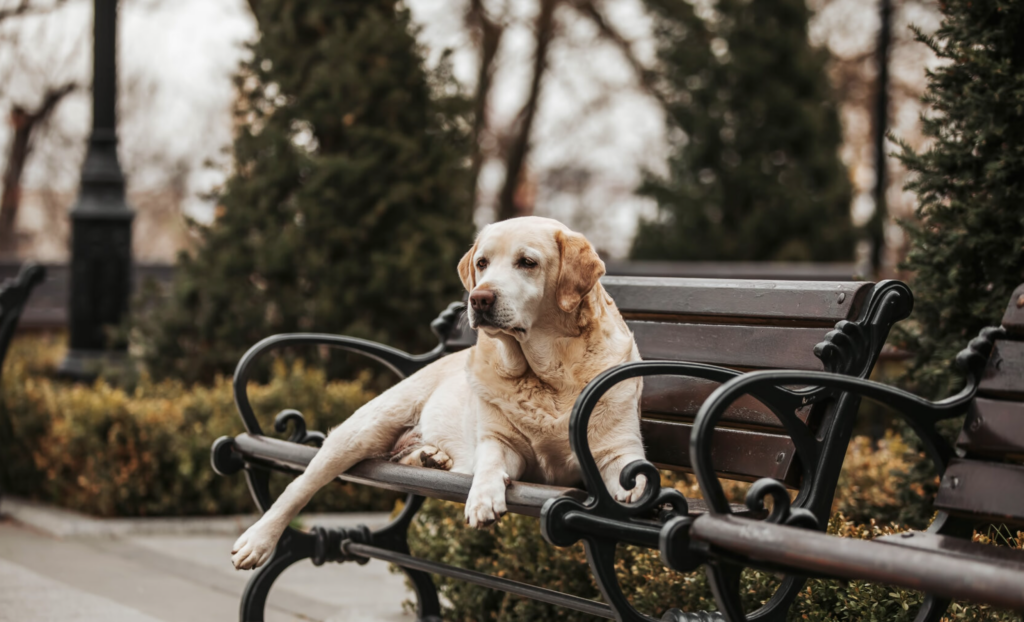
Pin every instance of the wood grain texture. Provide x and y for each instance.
(1013, 319)
(736, 454)
(993, 428)
(729, 345)
(1004, 374)
(986, 490)
(811, 303)
(680, 398)
(782, 547)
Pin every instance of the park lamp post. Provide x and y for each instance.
(101, 236)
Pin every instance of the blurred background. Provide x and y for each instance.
(586, 128)
(196, 176)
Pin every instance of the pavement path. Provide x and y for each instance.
(139, 573)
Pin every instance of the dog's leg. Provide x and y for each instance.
(428, 456)
(611, 466)
(497, 464)
(370, 431)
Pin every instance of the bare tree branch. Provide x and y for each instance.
(26, 124)
(489, 33)
(519, 145)
(25, 7)
(647, 77)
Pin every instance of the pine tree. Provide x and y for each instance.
(967, 248)
(755, 172)
(348, 207)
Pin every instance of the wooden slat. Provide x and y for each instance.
(1013, 319)
(810, 303)
(521, 497)
(988, 490)
(957, 547)
(748, 347)
(681, 398)
(737, 454)
(791, 548)
(1004, 375)
(993, 428)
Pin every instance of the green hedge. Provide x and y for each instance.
(108, 451)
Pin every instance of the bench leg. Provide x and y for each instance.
(294, 546)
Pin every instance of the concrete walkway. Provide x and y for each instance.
(62, 566)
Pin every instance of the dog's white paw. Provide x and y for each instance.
(253, 548)
(486, 504)
(430, 457)
(629, 496)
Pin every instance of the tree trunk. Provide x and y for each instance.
(25, 124)
(519, 146)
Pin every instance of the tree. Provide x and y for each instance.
(755, 172)
(967, 250)
(348, 208)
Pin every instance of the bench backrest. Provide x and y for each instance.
(987, 482)
(739, 324)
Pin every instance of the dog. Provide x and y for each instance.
(500, 409)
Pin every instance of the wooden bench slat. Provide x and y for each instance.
(1004, 375)
(521, 497)
(737, 454)
(673, 397)
(878, 562)
(729, 345)
(1013, 319)
(810, 303)
(989, 490)
(957, 547)
(993, 428)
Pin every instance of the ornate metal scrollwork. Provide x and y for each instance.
(852, 347)
(782, 511)
(442, 325)
(299, 433)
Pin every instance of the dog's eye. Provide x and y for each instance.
(526, 262)
(481, 263)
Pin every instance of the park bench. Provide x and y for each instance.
(14, 293)
(982, 482)
(693, 335)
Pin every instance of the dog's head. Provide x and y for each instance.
(523, 272)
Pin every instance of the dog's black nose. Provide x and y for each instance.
(482, 300)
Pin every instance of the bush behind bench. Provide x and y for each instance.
(107, 451)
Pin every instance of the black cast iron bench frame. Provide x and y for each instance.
(981, 482)
(567, 515)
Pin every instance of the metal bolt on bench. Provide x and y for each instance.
(692, 334)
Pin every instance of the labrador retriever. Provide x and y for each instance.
(499, 410)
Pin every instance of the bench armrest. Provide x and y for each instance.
(400, 362)
(782, 401)
(921, 414)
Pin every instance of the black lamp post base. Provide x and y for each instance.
(89, 364)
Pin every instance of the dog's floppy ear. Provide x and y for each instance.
(579, 271)
(466, 271)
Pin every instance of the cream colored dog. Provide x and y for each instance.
(499, 410)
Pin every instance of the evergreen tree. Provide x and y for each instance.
(967, 250)
(348, 208)
(755, 172)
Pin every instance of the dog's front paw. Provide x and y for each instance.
(254, 547)
(486, 504)
(632, 495)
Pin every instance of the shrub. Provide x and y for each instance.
(754, 172)
(106, 451)
(349, 203)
